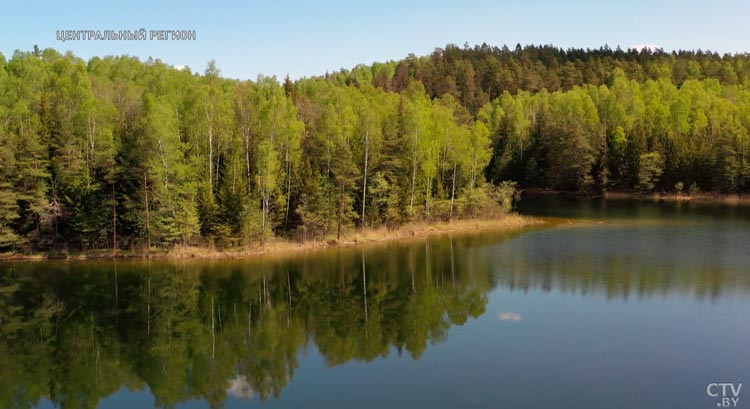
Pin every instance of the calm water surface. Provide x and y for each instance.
(620, 305)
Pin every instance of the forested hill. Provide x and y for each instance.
(478, 75)
(115, 152)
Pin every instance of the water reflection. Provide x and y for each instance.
(626, 248)
(75, 333)
(509, 316)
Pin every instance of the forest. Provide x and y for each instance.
(118, 153)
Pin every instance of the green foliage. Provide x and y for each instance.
(651, 168)
(316, 208)
(123, 153)
(489, 200)
(8, 214)
(506, 194)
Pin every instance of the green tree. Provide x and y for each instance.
(651, 168)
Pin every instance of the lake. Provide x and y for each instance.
(616, 304)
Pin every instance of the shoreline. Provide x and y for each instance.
(729, 199)
(732, 199)
(281, 246)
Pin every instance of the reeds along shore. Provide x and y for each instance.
(280, 246)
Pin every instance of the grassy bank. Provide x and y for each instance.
(280, 246)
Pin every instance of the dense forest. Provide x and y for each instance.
(119, 153)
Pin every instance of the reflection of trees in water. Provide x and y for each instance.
(620, 277)
(76, 333)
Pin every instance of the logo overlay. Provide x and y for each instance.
(727, 394)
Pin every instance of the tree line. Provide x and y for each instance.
(480, 74)
(120, 153)
(625, 135)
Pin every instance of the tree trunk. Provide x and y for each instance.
(246, 135)
(414, 171)
(210, 161)
(364, 182)
(90, 148)
(210, 152)
(264, 202)
(288, 186)
(148, 218)
(453, 190)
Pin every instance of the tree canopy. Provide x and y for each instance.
(122, 153)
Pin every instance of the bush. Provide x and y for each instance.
(488, 200)
(506, 194)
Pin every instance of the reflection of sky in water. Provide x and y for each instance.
(240, 388)
(509, 316)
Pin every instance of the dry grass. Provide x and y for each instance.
(421, 229)
(282, 246)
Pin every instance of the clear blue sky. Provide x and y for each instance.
(247, 38)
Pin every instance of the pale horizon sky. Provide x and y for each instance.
(311, 38)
